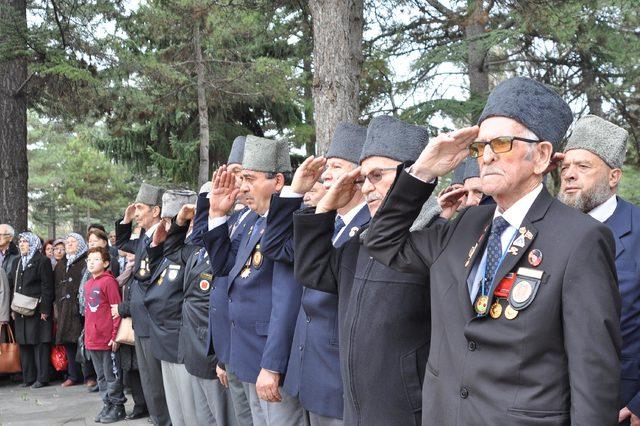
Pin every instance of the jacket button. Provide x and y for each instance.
(464, 393)
(301, 347)
(308, 319)
(229, 300)
(233, 323)
(472, 346)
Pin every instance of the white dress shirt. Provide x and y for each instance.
(604, 210)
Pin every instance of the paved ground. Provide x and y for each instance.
(52, 405)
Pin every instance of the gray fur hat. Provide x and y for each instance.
(149, 195)
(266, 155)
(174, 199)
(347, 142)
(392, 138)
(601, 137)
(458, 173)
(471, 169)
(532, 104)
(430, 209)
(237, 150)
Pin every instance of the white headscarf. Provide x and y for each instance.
(34, 245)
(82, 248)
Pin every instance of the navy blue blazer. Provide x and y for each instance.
(625, 225)
(263, 301)
(313, 373)
(219, 331)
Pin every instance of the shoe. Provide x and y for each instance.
(115, 414)
(93, 389)
(38, 385)
(101, 414)
(137, 413)
(90, 383)
(26, 384)
(68, 383)
(149, 420)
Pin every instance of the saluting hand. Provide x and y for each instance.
(341, 192)
(444, 153)
(223, 192)
(449, 199)
(556, 160)
(186, 213)
(308, 174)
(160, 235)
(129, 213)
(267, 386)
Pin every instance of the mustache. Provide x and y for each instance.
(372, 196)
(491, 171)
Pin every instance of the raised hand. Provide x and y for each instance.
(223, 192)
(160, 235)
(307, 174)
(444, 153)
(449, 199)
(556, 160)
(129, 213)
(186, 213)
(341, 192)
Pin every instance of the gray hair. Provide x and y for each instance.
(10, 228)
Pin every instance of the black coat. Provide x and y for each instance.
(11, 259)
(558, 361)
(384, 323)
(69, 322)
(36, 280)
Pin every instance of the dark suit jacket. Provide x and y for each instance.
(625, 225)
(558, 361)
(263, 301)
(384, 323)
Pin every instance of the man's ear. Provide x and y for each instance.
(155, 211)
(544, 151)
(279, 182)
(614, 178)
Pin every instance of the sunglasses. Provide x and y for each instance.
(375, 175)
(498, 145)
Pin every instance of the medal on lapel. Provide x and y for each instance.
(481, 304)
(161, 279)
(353, 231)
(173, 272)
(204, 285)
(510, 313)
(257, 258)
(143, 268)
(535, 257)
(246, 271)
(496, 310)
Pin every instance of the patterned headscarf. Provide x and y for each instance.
(34, 245)
(82, 248)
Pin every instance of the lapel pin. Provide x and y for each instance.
(535, 257)
(353, 231)
(513, 250)
(519, 242)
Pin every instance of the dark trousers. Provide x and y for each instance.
(109, 372)
(35, 362)
(151, 378)
(74, 369)
(133, 380)
(88, 371)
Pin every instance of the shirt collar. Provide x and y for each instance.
(516, 213)
(348, 217)
(604, 210)
(151, 230)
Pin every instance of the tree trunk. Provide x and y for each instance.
(337, 55)
(203, 113)
(310, 145)
(590, 86)
(14, 171)
(477, 69)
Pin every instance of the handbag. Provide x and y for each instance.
(9, 353)
(59, 358)
(21, 304)
(125, 333)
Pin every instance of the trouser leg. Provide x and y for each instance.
(136, 390)
(313, 419)
(205, 413)
(287, 412)
(74, 370)
(219, 401)
(98, 364)
(113, 377)
(151, 379)
(88, 372)
(28, 363)
(257, 415)
(42, 356)
(172, 393)
(240, 400)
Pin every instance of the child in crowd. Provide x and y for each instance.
(101, 291)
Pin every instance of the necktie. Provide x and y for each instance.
(494, 251)
(147, 240)
(339, 224)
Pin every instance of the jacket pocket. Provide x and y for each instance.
(540, 417)
(262, 328)
(412, 367)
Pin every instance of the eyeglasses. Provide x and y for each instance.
(6, 235)
(375, 175)
(498, 145)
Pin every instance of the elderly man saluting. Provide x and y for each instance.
(524, 298)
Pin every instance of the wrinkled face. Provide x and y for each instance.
(58, 251)
(335, 168)
(112, 238)
(513, 173)
(5, 236)
(48, 250)
(23, 245)
(312, 197)
(146, 215)
(95, 264)
(473, 194)
(71, 245)
(257, 189)
(377, 181)
(94, 241)
(586, 180)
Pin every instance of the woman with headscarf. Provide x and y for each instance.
(68, 276)
(33, 277)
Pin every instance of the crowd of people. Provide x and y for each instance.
(347, 292)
